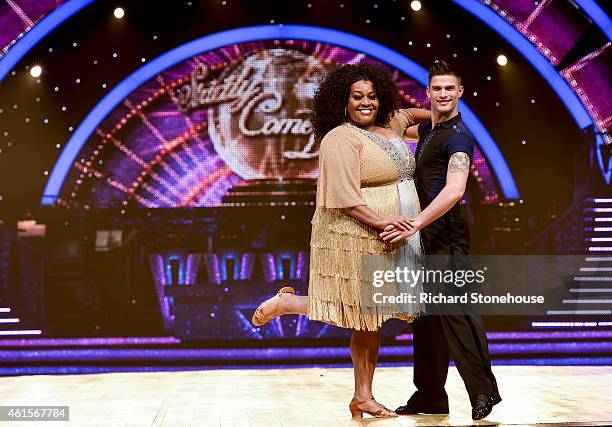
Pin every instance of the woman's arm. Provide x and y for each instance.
(419, 115)
(404, 121)
(412, 133)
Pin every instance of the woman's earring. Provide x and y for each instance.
(345, 114)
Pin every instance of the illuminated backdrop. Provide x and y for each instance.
(188, 135)
(17, 17)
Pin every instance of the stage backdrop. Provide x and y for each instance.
(223, 117)
(232, 118)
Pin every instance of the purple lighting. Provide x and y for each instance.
(159, 277)
(225, 269)
(527, 335)
(302, 266)
(302, 321)
(589, 75)
(246, 265)
(267, 263)
(248, 326)
(87, 342)
(246, 354)
(211, 262)
(19, 16)
(278, 327)
(191, 273)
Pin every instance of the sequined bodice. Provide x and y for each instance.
(396, 150)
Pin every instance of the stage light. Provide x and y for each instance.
(502, 60)
(416, 5)
(119, 13)
(36, 71)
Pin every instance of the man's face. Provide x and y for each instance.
(444, 93)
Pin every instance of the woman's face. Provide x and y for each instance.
(362, 104)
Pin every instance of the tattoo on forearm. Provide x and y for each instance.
(459, 163)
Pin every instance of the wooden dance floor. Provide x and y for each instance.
(304, 397)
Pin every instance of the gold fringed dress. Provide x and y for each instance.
(357, 167)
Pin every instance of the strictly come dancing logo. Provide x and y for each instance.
(258, 112)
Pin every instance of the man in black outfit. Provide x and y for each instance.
(443, 157)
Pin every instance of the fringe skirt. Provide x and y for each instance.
(340, 247)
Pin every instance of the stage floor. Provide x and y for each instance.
(304, 397)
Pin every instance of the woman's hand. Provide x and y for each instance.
(397, 222)
(367, 216)
(394, 234)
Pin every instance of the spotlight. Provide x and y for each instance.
(119, 13)
(36, 71)
(415, 5)
(502, 60)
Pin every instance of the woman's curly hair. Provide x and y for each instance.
(331, 98)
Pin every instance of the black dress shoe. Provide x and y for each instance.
(482, 405)
(409, 409)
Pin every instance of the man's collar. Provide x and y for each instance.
(450, 122)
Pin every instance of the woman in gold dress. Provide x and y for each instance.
(365, 184)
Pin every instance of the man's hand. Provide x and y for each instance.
(393, 234)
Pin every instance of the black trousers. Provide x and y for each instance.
(438, 338)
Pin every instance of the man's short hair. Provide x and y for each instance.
(442, 68)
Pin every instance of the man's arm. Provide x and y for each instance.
(456, 180)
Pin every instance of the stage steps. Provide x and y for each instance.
(21, 310)
(590, 291)
(12, 325)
